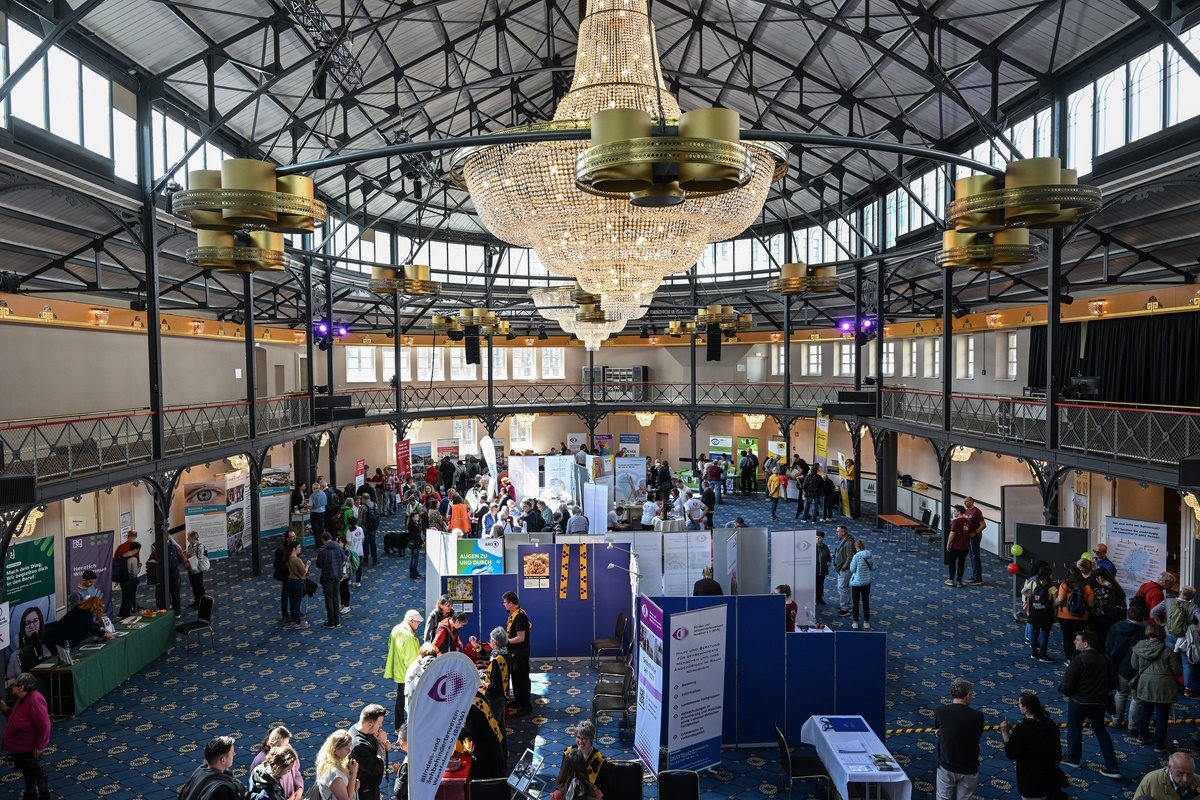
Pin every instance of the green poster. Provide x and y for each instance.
(748, 443)
(29, 571)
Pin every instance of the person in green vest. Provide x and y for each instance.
(403, 649)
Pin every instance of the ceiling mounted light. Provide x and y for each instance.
(610, 212)
(644, 418)
(993, 320)
(1097, 307)
(776, 336)
(239, 462)
(529, 340)
(407, 340)
(414, 427)
(653, 341)
(99, 316)
(299, 337)
(755, 421)
(525, 420)
(411, 280)
(960, 453)
(197, 326)
(798, 278)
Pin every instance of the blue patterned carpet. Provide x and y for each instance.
(143, 740)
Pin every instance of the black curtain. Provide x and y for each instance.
(1145, 359)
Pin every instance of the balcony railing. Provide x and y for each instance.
(1126, 433)
(55, 449)
(1008, 419)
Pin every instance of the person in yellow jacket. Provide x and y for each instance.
(403, 649)
(774, 490)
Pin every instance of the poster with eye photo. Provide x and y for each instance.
(204, 513)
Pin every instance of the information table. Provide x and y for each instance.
(672, 525)
(455, 782)
(95, 673)
(906, 527)
(851, 752)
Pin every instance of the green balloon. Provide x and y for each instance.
(1086, 556)
(1017, 550)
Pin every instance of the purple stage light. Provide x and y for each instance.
(867, 323)
(846, 326)
(322, 328)
(341, 331)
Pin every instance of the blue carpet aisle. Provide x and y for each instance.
(143, 740)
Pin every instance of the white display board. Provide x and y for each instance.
(684, 556)
(595, 507)
(794, 562)
(695, 686)
(560, 480)
(524, 473)
(1138, 549)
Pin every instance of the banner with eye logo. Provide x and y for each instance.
(205, 512)
(440, 704)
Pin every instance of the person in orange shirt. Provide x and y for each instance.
(1074, 599)
(460, 514)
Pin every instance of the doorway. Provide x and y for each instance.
(280, 386)
(260, 372)
(660, 444)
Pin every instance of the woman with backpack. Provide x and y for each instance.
(862, 573)
(1181, 614)
(1074, 600)
(1035, 747)
(1111, 605)
(1039, 608)
(1157, 667)
(197, 565)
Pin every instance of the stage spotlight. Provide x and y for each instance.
(542, 333)
(342, 331)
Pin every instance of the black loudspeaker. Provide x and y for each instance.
(471, 344)
(1189, 471)
(18, 490)
(713, 351)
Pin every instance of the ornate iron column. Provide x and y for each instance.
(149, 236)
(251, 372)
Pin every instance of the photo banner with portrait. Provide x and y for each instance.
(204, 514)
(422, 458)
(631, 481)
(648, 722)
(28, 594)
(274, 500)
(92, 551)
(237, 498)
(524, 475)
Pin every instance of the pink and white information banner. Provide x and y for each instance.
(648, 729)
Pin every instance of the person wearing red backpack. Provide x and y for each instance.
(1154, 592)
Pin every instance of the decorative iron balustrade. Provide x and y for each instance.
(63, 448)
(375, 401)
(1007, 419)
(192, 428)
(918, 408)
(815, 395)
(1144, 435)
(278, 414)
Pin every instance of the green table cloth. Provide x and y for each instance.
(95, 673)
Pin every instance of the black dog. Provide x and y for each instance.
(393, 541)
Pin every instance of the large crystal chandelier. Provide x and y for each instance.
(591, 325)
(526, 194)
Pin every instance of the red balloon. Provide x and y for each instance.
(1013, 569)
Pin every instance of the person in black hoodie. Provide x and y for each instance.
(1034, 744)
(1119, 647)
(211, 780)
(369, 748)
(1088, 684)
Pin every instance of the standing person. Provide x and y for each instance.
(369, 519)
(197, 565)
(85, 589)
(851, 477)
(460, 515)
(824, 559)
(425, 657)
(337, 772)
(355, 537)
(1173, 783)
(746, 470)
(446, 639)
(862, 574)
(446, 473)
(280, 571)
(709, 498)
(716, 480)
(316, 516)
(391, 492)
(1100, 552)
(369, 749)
(1040, 612)
(1122, 638)
(414, 542)
(695, 511)
(959, 729)
(266, 777)
(175, 557)
(1157, 666)
(753, 470)
(442, 609)
(125, 570)
(1110, 604)
(790, 609)
(518, 631)
(814, 489)
(1073, 601)
(330, 558)
(348, 566)
(26, 735)
(774, 490)
(292, 781)
(1034, 745)
(124, 547)
(663, 483)
(297, 575)
(403, 649)
(1154, 592)
(1088, 684)
(975, 530)
(211, 780)
(488, 759)
(496, 679)
(706, 586)
(958, 544)
(800, 476)
(843, 553)
(832, 502)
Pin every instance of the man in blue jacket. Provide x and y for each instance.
(329, 562)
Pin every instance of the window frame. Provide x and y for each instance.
(356, 368)
(524, 364)
(552, 371)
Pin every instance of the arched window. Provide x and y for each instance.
(1079, 130)
(1183, 84)
(1110, 111)
(1146, 93)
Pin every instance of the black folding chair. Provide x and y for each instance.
(621, 779)
(491, 789)
(202, 624)
(615, 642)
(678, 784)
(800, 767)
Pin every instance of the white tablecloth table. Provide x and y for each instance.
(669, 525)
(843, 767)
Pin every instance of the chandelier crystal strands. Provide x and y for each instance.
(527, 195)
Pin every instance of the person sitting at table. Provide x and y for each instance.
(578, 523)
(446, 638)
(266, 779)
(488, 758)
(573, 779)
(706, 586)
(85, 589)
(614, 521)
(593, 759)
(82, 621)
(650, 510)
